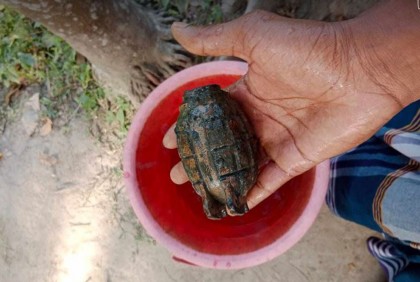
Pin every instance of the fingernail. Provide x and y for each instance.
(179, 25)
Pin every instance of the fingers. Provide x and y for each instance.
(216, 40)
(178, 174)
(269, 180)
(227, 39)
(169, 140)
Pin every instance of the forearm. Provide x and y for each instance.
(387, 49)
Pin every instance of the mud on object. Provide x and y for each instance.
(218, 150)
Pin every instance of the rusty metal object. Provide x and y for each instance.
(218, 150)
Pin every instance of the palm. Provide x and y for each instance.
(300, 95)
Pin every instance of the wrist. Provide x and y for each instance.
(384, 51)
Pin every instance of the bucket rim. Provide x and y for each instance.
(178, 249)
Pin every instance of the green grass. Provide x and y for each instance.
(199, 12)
(120, 114)
(29, 53)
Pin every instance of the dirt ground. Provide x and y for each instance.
(65, 216)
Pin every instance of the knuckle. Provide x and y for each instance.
(260, 186)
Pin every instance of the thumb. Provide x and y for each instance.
(226, 39)
(215, 40)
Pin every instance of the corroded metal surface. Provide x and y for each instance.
(218, 150)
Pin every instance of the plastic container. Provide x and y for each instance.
(173, 215)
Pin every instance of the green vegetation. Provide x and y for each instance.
(31, 54)
(196, 12)
(120, 114)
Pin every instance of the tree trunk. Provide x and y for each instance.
(129, 46)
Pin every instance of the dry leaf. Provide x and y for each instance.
(13, 90)
(1, 156)
(46, 127)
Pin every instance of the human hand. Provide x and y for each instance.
(309, 92)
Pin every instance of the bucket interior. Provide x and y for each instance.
(178, 209)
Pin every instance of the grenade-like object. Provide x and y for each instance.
(218, 150)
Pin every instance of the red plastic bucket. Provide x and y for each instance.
(173, 214)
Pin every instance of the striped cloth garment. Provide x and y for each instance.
(377, 184)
